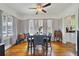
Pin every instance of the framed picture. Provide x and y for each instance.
(70, 23)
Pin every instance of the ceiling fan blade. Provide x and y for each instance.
(47, 5)
(32, 8)
(44, 11)
(36, 13)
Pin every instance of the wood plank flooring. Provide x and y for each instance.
(58, 49)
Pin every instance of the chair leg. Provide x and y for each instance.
(34, 51)
(31, 47)
(46, 48)
(28, 46)
(43, 50)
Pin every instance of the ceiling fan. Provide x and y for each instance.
(40, 7)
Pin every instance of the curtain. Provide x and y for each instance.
(45, 26)
(36, 25)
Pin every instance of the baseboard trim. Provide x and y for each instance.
(9, 46)
(6, 47)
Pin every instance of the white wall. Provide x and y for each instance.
(70, 37)
(23, 25)
(7, 10)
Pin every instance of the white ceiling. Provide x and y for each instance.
(22, 9)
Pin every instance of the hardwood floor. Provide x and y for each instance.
(58, 49)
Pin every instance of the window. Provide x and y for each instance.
(31, 27)
(7, 29)
(4, 26)
(49, 26)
